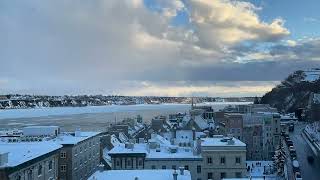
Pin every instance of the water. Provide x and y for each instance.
(92, 118)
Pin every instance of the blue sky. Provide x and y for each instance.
(155, 47)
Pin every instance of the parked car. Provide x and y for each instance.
(291, 128)
(298, 176)
(295, 166)
(289, 143)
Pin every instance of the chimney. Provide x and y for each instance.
(175, 175)
(193, 133)
(77, 133)
(181, 170)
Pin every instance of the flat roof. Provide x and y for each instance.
(157, 174)
(216, 141)
(22, 152)
(121, 149)
(72, 139)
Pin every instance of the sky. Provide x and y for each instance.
(219, 48)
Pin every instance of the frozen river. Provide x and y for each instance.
(93, 117)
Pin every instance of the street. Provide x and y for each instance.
(308, 171)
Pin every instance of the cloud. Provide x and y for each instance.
(311, 20)
(113, 46)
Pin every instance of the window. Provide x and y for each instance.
(63, 155)
(164, 167)
(186, 167)
(198, 169)
(174, 167)
(30, 175)
(209, 160)
(238, 160)
(39, 170)
(153, 167)
(140, 162)
(50, 165)
(238, 175)
(223, 175)
(210, 175)
(222, 160)
(128, 163)
(63, 168)
(18, 177)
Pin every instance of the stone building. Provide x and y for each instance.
(79, 156)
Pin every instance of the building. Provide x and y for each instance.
(215, 157)
(29, 160)
(79, 156)
(313, 109)
(261, 133)
(141, 175)
(234, 124)
(223, 157)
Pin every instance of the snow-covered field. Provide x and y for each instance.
(56, 111)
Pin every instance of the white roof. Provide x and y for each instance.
(22, 152)
(121, 149)
(71, 139)
(139, 174)
(216, 141)
(182, 153)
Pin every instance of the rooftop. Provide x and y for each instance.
(22, 152)
(139, 175)
(70, 138)
(221, 141)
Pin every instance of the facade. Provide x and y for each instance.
(234, 124)
(261, 133)
(29, 160)
(80, 155)
(223, 158)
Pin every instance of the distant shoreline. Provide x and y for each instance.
(51, 111)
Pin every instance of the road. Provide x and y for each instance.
(308, 171)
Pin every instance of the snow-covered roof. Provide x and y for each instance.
(22, 152)
(121, 149)
(221, 141)
(202, 123)
(68, 138)
(139, 174)
(164, 153)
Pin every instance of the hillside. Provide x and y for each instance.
(295, 91)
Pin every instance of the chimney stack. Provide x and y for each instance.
(193, 133)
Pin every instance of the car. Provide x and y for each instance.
(291, 128)
(298, 176)
(289, 143)
(295, 166)
(310, 159)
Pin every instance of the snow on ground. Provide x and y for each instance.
(55, 111)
